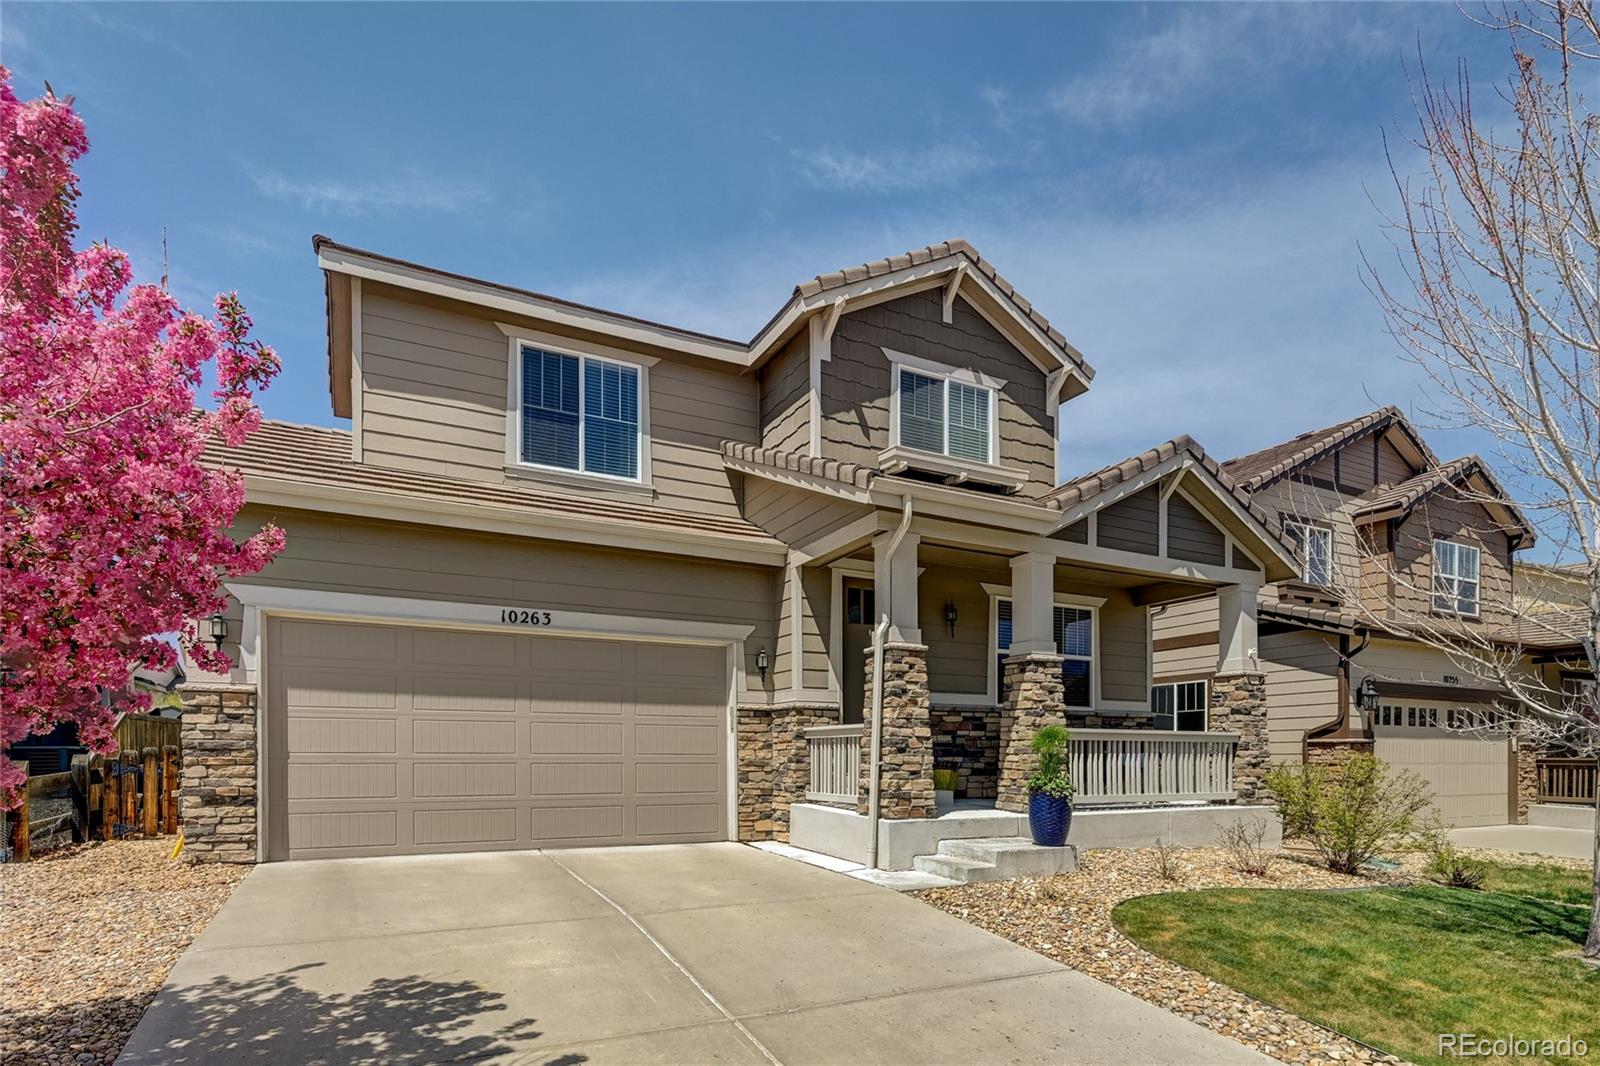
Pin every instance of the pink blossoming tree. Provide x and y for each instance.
(112, 532)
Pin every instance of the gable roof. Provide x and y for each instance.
(979, 282)
(1276, 461)
(311, 467)
(1399, 500)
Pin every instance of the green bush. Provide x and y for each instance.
(1050, 779)
(1350, 811)
(1446, 862)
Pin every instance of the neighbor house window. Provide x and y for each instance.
(1073, 629)
(1315, 547)
(948, 417)
(1179, 706)
(579, 413)
(1455, 577)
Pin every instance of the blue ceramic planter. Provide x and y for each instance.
(1049, 818)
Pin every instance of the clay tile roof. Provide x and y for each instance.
(1088, 486)
(1258, 468)
(314, 455)
(829, 469)
(878, 267)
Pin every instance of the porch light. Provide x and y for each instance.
(1367, 694)
(219, 629)
(761, 663)
(950, 616)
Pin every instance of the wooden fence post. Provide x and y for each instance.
(19, 824)
(108, 798)
(150, 802)
(130, 792)
(169, 789)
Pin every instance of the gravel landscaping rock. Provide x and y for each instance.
(1068, 918)
(89, 934)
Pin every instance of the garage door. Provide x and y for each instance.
(1469, 774)
(391, 740)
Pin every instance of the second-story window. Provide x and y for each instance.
(1455, 577)
(938, 414)
(579, 413)
(1314, 544)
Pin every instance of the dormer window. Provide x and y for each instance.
(577, 413)
(1455, 578)
(945, 416)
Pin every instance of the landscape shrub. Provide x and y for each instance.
(1245, 843)
(1350, 811)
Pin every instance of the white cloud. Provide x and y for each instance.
(895, 170)
(1205, 46)
(409, 190)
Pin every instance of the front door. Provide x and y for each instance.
(860, 612)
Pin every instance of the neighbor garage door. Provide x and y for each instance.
(390, 740)
(1469, 774)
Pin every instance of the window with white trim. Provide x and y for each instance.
(1314, 545)
(578, 413)
(1179, 706)
(944, 416)
(1073, 629)
(1455, 577)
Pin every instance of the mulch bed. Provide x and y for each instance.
(1068, 918)
(88, 934)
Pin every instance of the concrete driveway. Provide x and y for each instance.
(683, 954)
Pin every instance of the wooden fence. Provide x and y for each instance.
(134, 794)
(1567, 781)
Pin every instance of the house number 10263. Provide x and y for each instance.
(518, 616)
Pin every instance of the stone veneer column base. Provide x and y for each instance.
(905, 780)
(1239, 705)
(1525, 770)
(218, 788)
(775, 763)
(1330, 751)
(1033, 699)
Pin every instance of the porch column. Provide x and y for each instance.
(1236, 629)
(1032, 595)
(905, 777)
(895, 586)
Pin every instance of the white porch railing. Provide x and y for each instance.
(835, 763)
(1125, 766)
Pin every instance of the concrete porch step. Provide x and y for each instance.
(956, 869)
(1013, 856)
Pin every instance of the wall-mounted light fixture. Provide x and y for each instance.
(1367, 694)
(761, 663)
(950, 616)
(219, 629)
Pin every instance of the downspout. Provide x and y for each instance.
(1339, 727)
(875, 755)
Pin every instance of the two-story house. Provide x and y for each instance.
(1398, 550)
(573, 577)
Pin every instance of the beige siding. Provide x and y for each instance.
(326, 553)
(1447, 516)
(1132, 524)
(1124, 651)
(796, 516)
(1302, 672)
(1392, 468)
(786, 398)
(1190, 534)
(434, 395)
(855, 382)
(1192, 619)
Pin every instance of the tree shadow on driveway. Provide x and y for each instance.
(398, 1021)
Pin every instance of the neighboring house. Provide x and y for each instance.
(573, 577)
(1392, 541)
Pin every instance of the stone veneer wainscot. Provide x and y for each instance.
(218, 789)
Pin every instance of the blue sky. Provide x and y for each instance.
(1180, 188)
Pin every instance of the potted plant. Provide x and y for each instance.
(945, 781)
(1050, 789)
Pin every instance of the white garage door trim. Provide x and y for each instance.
(263, 601)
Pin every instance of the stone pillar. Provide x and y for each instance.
(905, 781)
(753, 735)
(1033, 699)
(1525, 771)
(218, 787)
(791, 758)
(1239, 705)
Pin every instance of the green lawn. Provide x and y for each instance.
(1541, 882)
(1391, 967)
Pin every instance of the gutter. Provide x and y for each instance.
(1338, 728)
(880, 631)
